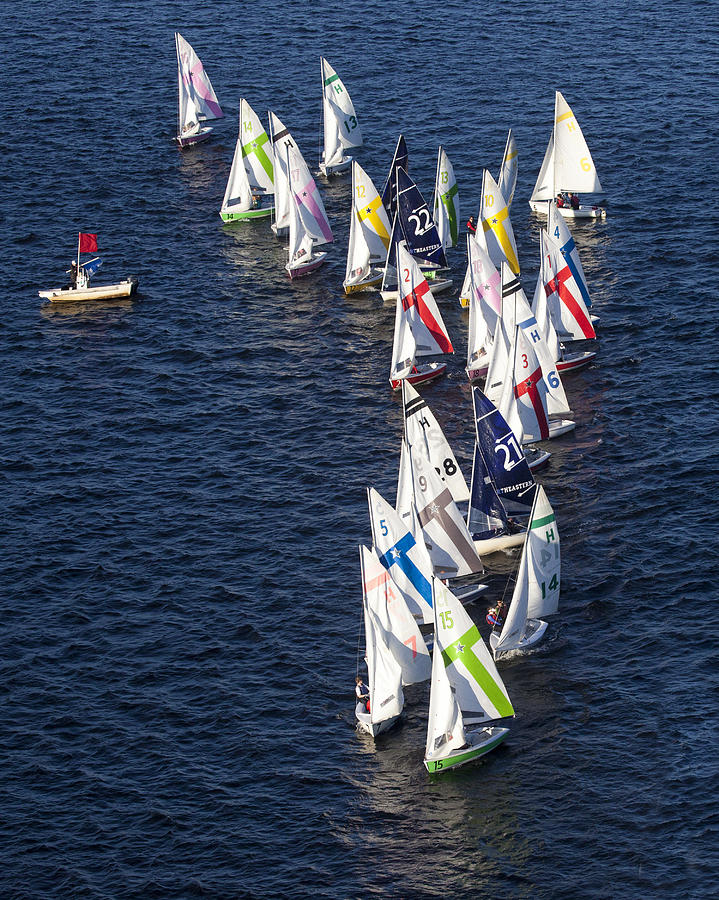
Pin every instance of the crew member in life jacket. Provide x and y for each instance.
(362, 692)
(472, 224)
(496, 615)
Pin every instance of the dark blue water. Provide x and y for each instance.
(184, 474)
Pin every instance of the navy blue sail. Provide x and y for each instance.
(503, 456)
(389, 191)
(486, 516)
(417, 224)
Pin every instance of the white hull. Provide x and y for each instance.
(480, 742)
(560, 427)
(584, 212)
(423, 373)
(365, 723)
(100, 292)
(337, 168)
(534, 632)
(536, 457)
(500, 542)
(571, 362)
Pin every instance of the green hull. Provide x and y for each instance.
(249, 214)
(441, 765)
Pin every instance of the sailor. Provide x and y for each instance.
(574, 200)
(362, 692)
(560, 200)
(471, 224)
(73, 274)
(498, 612)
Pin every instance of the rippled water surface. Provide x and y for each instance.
(184, 473)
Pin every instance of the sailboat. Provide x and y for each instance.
(559, 308)
(281, 141)
(536, 592)
(446, 201)
(389, 191)
(558, 230)
(502, 482)
(369, 234)
(494, 218)
(308, 220)
(485, 304)
(418, 327)
(508, 173)
(250, 187)
(567, 166)
(465, 689)
(341, 128)
(197, 101)
(386, 698)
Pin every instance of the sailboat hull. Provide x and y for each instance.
(190, 139)
(584, 212)
(480, 742)
(536, 457)
(500, 542)
(367, 284)
(573, 361)
(337, 168)
(533, 634)
(423, 374)
(298, 270)
(560, 426)
(479, 369)
(228, 217)
(365, 723)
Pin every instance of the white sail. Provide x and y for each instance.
(446, 201)
(309, 204)
(282, 141)
(515, 298)
(536, 592)
(494, 218)
(402, 635)
(384, 672)
(530, 390)
(485, 301)
(369, 228)
(508, 173)
(404, 345)
(341, 128)
(445, 728)
(448, 541)
(568, 164)
(196, 96)
(540, 308)
(557, 229)
(478, 686)
(423, 429)
(481, 241)
(252, 164)
(567, 309)
(398, 552)
(420, 307)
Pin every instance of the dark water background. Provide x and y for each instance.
(184, 474)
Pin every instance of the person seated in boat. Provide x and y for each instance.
(362, 692)
(498, 613)
(574, 201)
(472, 224)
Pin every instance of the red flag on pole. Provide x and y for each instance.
(88, 243)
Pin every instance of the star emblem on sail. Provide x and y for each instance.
(494, 216)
